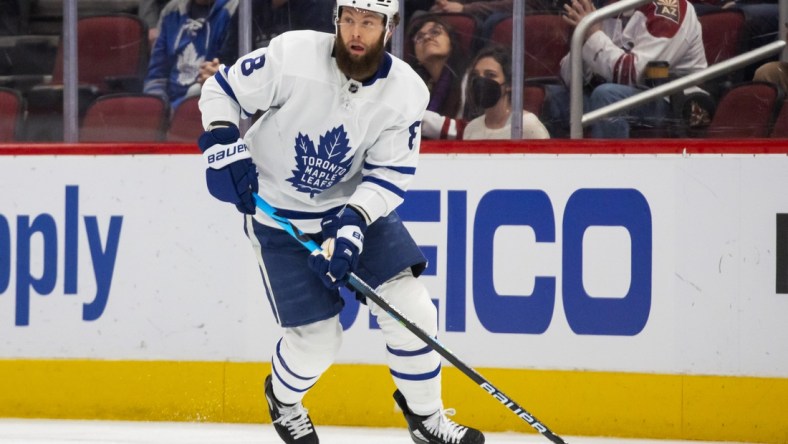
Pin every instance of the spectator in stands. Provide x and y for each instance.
(269, 19)
(491, 90)
(615, 54)
(489, 99)
(191, 32)
(440, 61)
(150, 11)
(773, 72)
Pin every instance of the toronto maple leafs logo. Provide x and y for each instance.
(189, 62)
(318, 169)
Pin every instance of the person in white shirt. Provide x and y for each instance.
(615, 55)
(491, 89)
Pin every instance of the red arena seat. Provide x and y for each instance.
(125, 117)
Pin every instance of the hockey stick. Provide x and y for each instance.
(358, 285)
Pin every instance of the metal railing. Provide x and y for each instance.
(671, 87)
(70, 73)
(577, 120)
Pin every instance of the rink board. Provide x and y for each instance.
(637, 294)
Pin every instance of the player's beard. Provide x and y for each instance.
(355, 67)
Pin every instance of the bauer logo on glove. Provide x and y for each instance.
(219, 156)
(231, 175)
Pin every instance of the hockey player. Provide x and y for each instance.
(336, 147)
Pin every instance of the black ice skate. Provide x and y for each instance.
(291, 422)
(437, 428)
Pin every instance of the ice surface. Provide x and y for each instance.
(37, 431)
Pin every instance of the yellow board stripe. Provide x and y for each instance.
(712, 408)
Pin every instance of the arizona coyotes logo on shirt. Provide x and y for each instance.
(668, 9)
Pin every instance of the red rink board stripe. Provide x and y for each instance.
(556, 146)
(96, 149)
(632, 146)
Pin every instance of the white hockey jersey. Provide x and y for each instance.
(324, 140)
(663, 30)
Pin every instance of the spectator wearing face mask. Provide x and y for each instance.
(491, 90)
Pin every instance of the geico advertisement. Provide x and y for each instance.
(639, 263)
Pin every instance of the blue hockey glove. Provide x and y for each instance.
(346, 228)
(231, 174)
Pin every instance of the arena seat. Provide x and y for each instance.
(112, 53)
(11, 112)
(546, 43)
(186, 122)
(533, 99)
(780, 128)
(112, 57)
(745, 111)
(125, 117)
(723, 38)
(722, 34)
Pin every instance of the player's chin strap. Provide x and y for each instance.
(362, 287)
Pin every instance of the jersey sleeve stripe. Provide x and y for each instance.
(624, 70)
(222, 81)
(386, 185)
(399, 169)
(225, 86)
